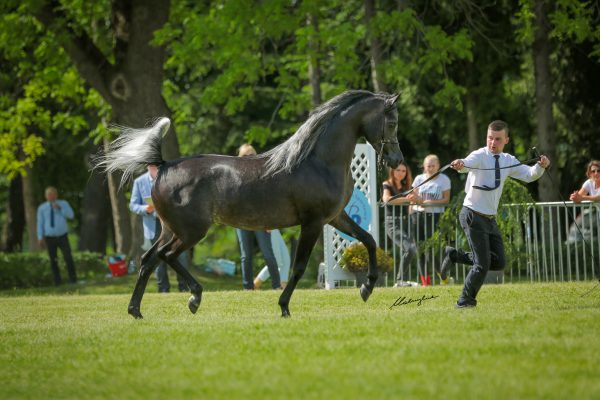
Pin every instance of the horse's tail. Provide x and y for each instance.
(134, 149)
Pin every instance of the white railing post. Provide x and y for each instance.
(364, 173)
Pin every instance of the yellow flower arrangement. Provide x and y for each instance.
(355, 258)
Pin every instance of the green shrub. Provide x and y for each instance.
(24, 270)
(356, 258)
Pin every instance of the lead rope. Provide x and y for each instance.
(445, 167)
(535, 159)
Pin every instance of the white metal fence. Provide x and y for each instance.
(543, 244)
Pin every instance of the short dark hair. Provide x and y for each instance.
(498, 126)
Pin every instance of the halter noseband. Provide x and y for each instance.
(383, 142)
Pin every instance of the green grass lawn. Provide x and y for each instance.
(125, 284)
(522, 341)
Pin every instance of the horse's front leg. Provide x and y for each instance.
(308, 237)
(344, 223)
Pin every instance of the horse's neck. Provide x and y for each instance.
(336, 148)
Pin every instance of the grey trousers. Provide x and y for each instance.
(393, 228)
(246, 240)
(487, 252)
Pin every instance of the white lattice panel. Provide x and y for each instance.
(364, 171)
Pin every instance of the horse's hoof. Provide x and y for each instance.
(194, 303)
(365, 292)
(135, 312)
(285, 312)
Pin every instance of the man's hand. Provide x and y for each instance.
(457, 164)
(149, 208)
(544, 162)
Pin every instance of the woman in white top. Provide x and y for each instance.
(430, 201)
(590, 190)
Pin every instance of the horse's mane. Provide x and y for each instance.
(293, 151)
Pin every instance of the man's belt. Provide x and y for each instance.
(488, 216)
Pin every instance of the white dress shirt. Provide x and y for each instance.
(486, 202)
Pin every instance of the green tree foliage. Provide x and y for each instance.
(575, 34)
(41, 91)
(237, 71)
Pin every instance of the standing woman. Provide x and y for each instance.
(263, 238)
(590, 190)
(399, 180)
(430, 200)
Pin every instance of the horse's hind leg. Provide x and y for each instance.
(308, 237)
(344, 223)
(169, 254)
(149, 262)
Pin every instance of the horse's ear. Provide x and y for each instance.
(393, 99)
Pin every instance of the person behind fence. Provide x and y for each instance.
(141, 204)
(282, 255)
(430, 200)
(399, 180)
(52, 231)
(590, 190)
(487, 169)
(263, 238)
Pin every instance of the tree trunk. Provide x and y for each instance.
(120, 213)
(314, 65)
(95, 214)
(135, 90)
(543, 98)
(376, 53)
(474, 137)
(30, 210)
(130, 80)
(12, 233)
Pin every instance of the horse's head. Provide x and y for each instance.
(381, 131)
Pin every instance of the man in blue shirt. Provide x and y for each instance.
(52, 231)
(141, 204)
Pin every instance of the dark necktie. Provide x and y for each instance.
(497, 180)
(51, 216)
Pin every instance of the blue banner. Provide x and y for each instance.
(359, 210)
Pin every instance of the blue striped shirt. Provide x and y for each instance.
(44, 223)
(142, 190)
